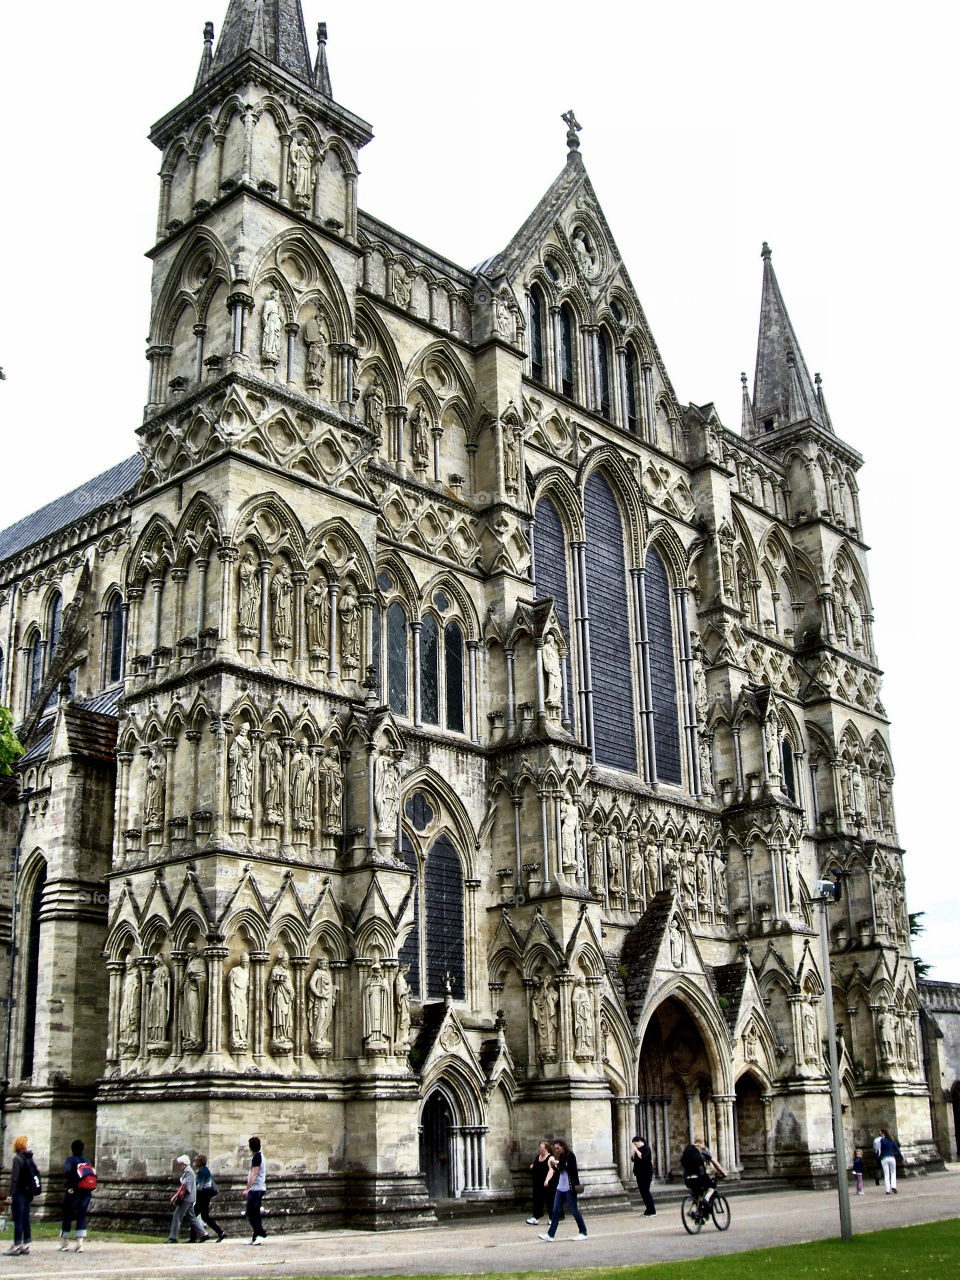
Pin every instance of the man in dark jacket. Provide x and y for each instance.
(568, 1188)
(76, 1201)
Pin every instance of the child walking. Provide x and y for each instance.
(858, 1169)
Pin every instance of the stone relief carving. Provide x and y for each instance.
(248, 608)
(635, 866)
(793, 880)
(811, 1044)
(155, 791)
(586, 253)
(349, 611)
(321, 1002)
(273, 789)
(240, 765)
(238, 1003)
(280, 1002)
(193, 991)
(401, 287)
(584, 1037)
(652, 868)
(281, 593)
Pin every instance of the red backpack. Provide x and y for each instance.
(86, 1176)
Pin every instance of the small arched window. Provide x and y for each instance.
(115, 641)
(789, 778)
(31, 970)
(453, 663)
(603, 360)
(630, 369)
(536, 334)
(36, 670)
(567, 367)
(430, 670)
(397, 658)
(56, 620)
(663, 672)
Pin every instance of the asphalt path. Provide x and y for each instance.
(503, 1242)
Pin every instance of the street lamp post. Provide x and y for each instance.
(828, 891)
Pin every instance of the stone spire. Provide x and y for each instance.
(321, 72)
(748, 425)
(206, 60)
(272, 28)
(782, 387)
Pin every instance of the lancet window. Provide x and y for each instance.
(32, 970)
(567, 365)
(550, 568)
(663, 671)
(536, 335)
(630, 373)
(114, 642)
(603, 361)
(434, 948)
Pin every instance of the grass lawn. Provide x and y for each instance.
(930, 1252)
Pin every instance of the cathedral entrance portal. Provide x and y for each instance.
(436, 1146)
(676, 1087)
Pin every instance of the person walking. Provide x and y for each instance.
(568, 1188)
(878, 1167)
(643, 1172)
(858, 1169)
(183, 1200)
(206, 1190)
(76, 1200)
(22, 1190)
(253, 1191)
(543, 1176)
(889, 1155)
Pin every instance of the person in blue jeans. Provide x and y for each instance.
(568, 1188)
(76, 1202)
(20, 1197)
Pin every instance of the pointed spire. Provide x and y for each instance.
(748, 425)
(821, 401)
(321, 73)
(272, 28)
(782, 387)
(206, 59)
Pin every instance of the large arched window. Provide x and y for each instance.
(453, 673)
(567, 366)
(614, 732)
(114, 646)
(397, 646)
(56, 620)
(550, 569)
(630, 370)
(31, 970)
(430, 669)
(438, 922)
(536, 334)
(663, 672)
(35, 669)
(603, 360)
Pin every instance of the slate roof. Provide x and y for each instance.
(730, 980)
(79, 502)
(91, 728)
(640, 949)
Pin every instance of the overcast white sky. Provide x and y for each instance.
(829, 130)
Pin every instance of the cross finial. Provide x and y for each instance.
(573, 128)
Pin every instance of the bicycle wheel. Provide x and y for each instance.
(720, 1210)
(690, 1214)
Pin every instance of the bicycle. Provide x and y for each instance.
(695, 1210)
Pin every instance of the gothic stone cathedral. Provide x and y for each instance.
(434, 732)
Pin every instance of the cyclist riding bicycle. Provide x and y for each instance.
(693, 1161)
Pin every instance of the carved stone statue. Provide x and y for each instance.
(280, 1002)
(793, 879)
(321, 1000)
(635, 866)
(330, 781)
(703, 881)
(811, 1049)
(272, 758)
(401, 997)
(193, 991)
(750, 1038)
(301, 171)
(727, 571)
(569, 835)
(272, 327)
(552, 676)
(302, 784)
(238, 1003)
(373, 406)
(240, 763)
(158, 1005)
(420, 434)
(699, 683)
(651, 859)
(545, 1001)
(719, 885)
(315, 336)
(130, 1009)
(771, 741)
(584, 1038)
(155, 791)
(317, 600)
(859, 798)
(595, 856)
(248, 609)
(386, 794)
(511, 457)
(687, 886)
(676, 943)
(615, 862)
(401, 287)
(281, 592)
(585, 252)
(349, 611)
(887, 1044)
(376, 1028)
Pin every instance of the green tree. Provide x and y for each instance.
(921, 967)
(10, 746)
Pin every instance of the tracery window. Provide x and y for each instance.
(567, 366)
(550, 568)
(397, 658)
(536, 334)
(630, 368)
(453, 670)
(614, 724)
(663, 672)
(438, 921)
(603, 360)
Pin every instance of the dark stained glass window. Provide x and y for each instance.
(430, 670)
(453, 673)
(663, 672)
(115, 641)
(603, 350)
(566, 353)
(397, 658)
(56, 621)
(550, 561)
(443, 900)
(630, 365)
(410, 951)
(789, 780)
(31, 972)
(536, 335)
(36, 669)
(610, 659)
(377, 646)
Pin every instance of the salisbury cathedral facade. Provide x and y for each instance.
(434, 732)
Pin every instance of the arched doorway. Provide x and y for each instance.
(751, 1127)
(676, 1087)
(436, 1146)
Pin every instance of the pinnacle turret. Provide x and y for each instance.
(321, 72)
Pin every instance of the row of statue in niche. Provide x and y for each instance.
(330, 610)
(545, 1016)
(150, 999)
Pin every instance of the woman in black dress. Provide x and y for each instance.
(543, 1176)
(643, 1172)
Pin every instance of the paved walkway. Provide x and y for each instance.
(502, 1243)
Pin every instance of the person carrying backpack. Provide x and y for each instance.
(693, 1161)
(76, 1195)
(24, 1185)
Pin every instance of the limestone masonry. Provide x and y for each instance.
(434, 733)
